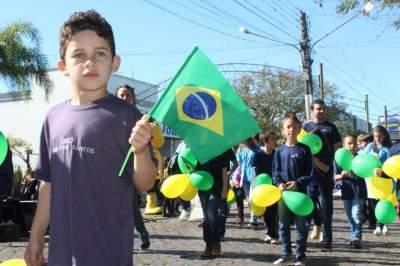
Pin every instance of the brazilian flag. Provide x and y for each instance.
(203, 109)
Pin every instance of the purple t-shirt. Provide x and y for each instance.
(81, 151)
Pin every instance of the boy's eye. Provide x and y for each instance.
(78, 55)
(100, 54)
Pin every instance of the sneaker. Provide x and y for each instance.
(357, 244)
(385, 230)
(321, 236)
(299, 261)
(293, 244)
(282, 261)
(377, 231)
(144, 241)
(184, 215)
(253, 224)
(315, 232)
(274, 241)
(222, 239)
(267, 239)
(239, 220)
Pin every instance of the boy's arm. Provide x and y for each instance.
(308, 170)
(276, 169)
(34, 251)
(144, 171)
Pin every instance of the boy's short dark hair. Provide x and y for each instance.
(291, 117)
(88, 20)
(130, 88)
(317, 101)
(265, 136)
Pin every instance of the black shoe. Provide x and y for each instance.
(326, 246)
(144, 241)
(222, 239)
(357, 244)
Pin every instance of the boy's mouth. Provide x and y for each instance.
(91, 74)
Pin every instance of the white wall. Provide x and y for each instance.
(23, 119)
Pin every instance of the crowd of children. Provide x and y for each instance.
(90, 206)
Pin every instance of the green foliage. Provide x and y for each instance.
(270, 95)
(17, 180)
(345, 6)
(21, 59)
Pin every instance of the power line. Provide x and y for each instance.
(266, 20)
(198, 24)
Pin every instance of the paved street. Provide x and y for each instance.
(179, 243)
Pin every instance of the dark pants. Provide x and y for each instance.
(211, 203)
(222, 214)
(323, 202)
(137, 215)
(239, 192)
(370, 213)
(373, 203)
(184, 204)
(271, 221)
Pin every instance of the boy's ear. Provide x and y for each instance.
(61, 67)
(115, 64)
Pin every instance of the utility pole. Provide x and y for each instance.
(367, 111)
(321, 81)
(306, 62)
(386, 116)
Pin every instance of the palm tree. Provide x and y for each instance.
(21, 59)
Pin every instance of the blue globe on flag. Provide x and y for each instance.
(199, 105)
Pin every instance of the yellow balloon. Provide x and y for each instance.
(393, 199)
(381, 187)
(231, 195)
(175, 185)
(257, 210)
(391, 166)
(265, 195)
(301, 134)
(157, 136)
(14, 262)
(189, 193)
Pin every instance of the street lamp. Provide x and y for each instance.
(305, 50)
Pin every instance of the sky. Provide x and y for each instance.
(154, 37)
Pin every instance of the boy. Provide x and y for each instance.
(83, 142)
(292, 169)
(354, 195)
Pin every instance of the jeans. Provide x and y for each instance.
(247, 191)
(354, 211)
(137, 215)
(373, 203)
(323, 202)
(285, 217)
(210, 203)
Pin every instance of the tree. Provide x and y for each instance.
(347, 5)
(21, 58)
(270, 95)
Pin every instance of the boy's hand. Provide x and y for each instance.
(378, 171)
(141, 135)
(345, 174)
(291, 185)
(34, 253)
(282, 187)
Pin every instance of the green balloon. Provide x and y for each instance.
(3, 147)
(187, 161)
(263, 179)
(202, 180)
(344, 158)
(363, 165)
(385, 212)
(313, 141)
(299, 203)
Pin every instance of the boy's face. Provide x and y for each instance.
(271, 143)
(319, 111)
(88, 62)
(125, 94)
(378, 138)
(350, 144)
(361, 144)
(290, 129)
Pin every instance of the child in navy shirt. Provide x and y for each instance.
(292, 170)
(354, 195)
